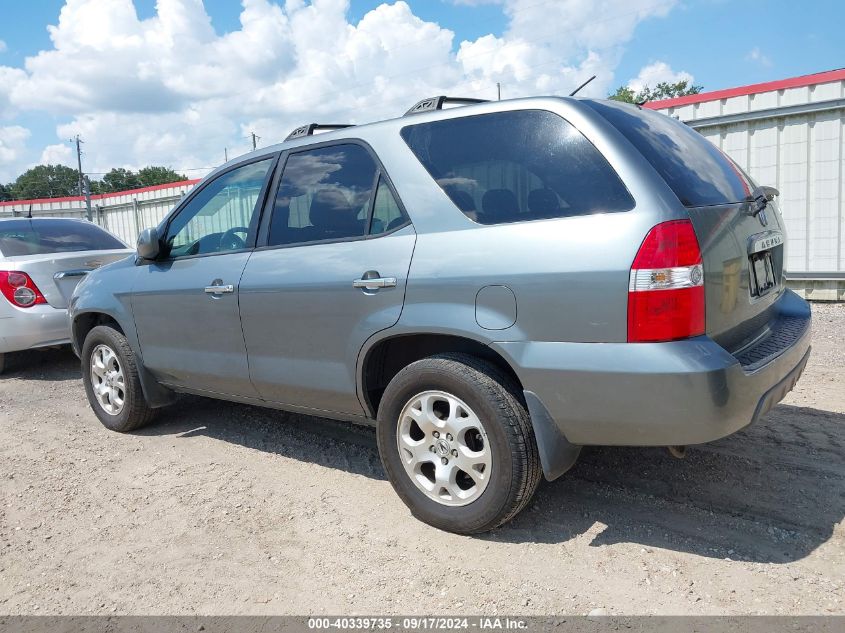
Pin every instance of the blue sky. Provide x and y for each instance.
(719, 43)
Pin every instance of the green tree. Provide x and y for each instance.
(117, 179)
(5, 192)
(664, 90)
(155, 175)
(46, 181)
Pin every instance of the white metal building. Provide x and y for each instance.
(789, 134)
(125, 213)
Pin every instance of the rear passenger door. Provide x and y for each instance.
(330, 271)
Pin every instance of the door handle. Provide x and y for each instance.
(375, 283)
(219, 289)
(81, 272)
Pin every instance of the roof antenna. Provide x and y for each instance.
(575, 92)
(29, 215)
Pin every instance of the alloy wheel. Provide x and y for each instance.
(107, 379)
(444, 448)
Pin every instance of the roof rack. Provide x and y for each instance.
(436, 103)
(308, 130)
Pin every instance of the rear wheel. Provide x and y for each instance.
(457, 443)
(110, 375)
(2, 363)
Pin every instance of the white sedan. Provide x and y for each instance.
(41, 261)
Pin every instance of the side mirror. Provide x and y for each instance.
(148, 245)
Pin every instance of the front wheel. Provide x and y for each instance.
(457, 443)
(110, 375)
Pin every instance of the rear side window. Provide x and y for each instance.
(387, 215)
(324, 194)
(517, 166)
(695, 169)
(41, 237)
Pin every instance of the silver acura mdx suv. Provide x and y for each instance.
(493, 286)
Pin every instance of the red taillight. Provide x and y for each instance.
(19, 289)
(666, 286)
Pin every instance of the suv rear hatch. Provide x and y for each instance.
(740, 232)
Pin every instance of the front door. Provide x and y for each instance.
(331, 273)
(186, 303)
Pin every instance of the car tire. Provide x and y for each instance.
(492, 432)
(2, 363)
(110, 375)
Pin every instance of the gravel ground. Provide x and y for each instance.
(228, 509)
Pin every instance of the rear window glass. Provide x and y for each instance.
(695, 169)
(25, 237)
(516, 166)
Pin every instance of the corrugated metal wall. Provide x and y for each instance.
(792, 139)
(125, 215)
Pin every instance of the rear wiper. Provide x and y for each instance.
(761, 198)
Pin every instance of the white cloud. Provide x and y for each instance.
(555, 46)
(12, 145)
(755, 55)
(3, 47)
(169, 90)
(58, 154)
(656, 73)
(9, 79)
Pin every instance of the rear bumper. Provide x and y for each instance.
(659, 394)
(38, 326)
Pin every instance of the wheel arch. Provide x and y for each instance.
(83, 322)
(384, 357)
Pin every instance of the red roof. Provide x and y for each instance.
(100, 196)
(769, 86)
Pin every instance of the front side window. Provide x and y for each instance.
(219, 217)
(517, 166)
(324, 194)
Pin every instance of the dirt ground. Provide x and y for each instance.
(228, 509)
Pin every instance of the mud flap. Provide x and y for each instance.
(557, 454)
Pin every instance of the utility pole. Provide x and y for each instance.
(254, 140)
(83, 189)
(498, 91)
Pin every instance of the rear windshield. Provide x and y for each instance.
(695, 169)
(27, 237)
(516, 166)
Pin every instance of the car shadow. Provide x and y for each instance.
(350, 447)
(771, 493)
(51, 364)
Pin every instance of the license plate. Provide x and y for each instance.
(762, 273)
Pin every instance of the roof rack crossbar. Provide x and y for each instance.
(310, 128)
(437, 103)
